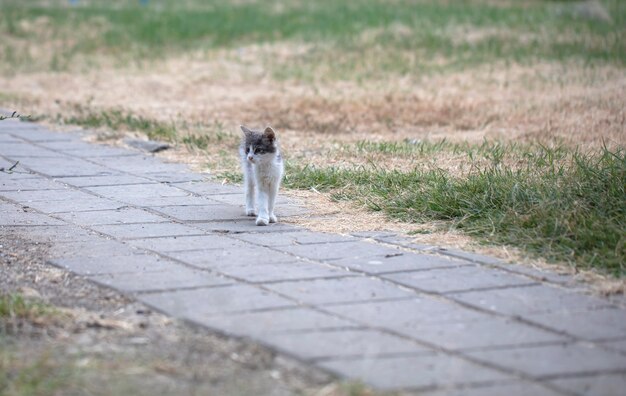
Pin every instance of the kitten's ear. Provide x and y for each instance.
(245, 130)
(269, 133)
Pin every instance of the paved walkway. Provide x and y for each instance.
(369, 306)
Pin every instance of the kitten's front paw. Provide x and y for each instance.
(262, 221)
(250, 212)
(273, 219)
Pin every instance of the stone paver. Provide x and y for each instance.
(372, 306)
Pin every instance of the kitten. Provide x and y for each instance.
(263, 170)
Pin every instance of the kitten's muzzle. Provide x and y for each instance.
(250, 158)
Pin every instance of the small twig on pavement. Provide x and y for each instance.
(10, 170)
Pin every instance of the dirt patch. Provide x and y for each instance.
(100, 342)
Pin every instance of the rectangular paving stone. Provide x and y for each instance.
(65, 166)
(602, 384)
(38, 134)
(297, 237)
(19, 217)
(247, 224)
(54, 233)
(326, 345)
(617, 345)
(168, 175)
(344, 250)
(65, 194)
(34, 183)
(198, 304)
(450, 280)
(554, 360)
(327, 291)
(140, 165)
(210, 212)
(138, 191)
(531, 299)
(100, 151)
(407, 316)
(262, 273)
(101, 248)
(147, 230)
(239, 199)
(395, 263)
(413, 372)
(124, 215)
(514, 388)
(294, 319)
(591, 325)
(23, 149)
(174, 277)
(86, 204)
(486, 333)
(105, 180)
(202, 242)
(112, 264)
(251, 255)
(209, 188)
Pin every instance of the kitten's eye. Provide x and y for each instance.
(247, 150)
(255, 150)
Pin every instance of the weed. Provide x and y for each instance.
(559, 204)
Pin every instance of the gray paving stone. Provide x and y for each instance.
(209, 212)
(554, 360)
(35, 133)
(403, 262)
(114, 264)
(245, 225)
(101, 248)
(618, 345)
(19, 217)
(406, 316)
(295, 319)
(72, 145)
(174, 277)
(239, 199)
(20, 150)
(592, 385)
(140, 165)
(106, 180)
(147, 230)
(486, 333)
(54, 233)
(65, 166)
(35, 183)
(298, 237)
(119, 216)
(531, 299)
(263, 273)
(414, 372)
(198, 304)
(326, 345)
(138, 191)
(167, 176)
(591, 325)
(344, 250)
(516, 388)
(342, 290)
(65, 194)
(86, 204)
(450, 280)
(100, 151)
(209, 188)
(203, 242)
(247, 256)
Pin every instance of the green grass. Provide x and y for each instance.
(560, 204)
(16, 306)
(356, 39)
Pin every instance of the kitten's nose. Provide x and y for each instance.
(250, 158)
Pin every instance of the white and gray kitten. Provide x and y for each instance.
(263, 170)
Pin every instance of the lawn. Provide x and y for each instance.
(499, 121)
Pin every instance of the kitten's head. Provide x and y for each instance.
(259, 146)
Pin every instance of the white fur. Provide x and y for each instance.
(262, 176)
